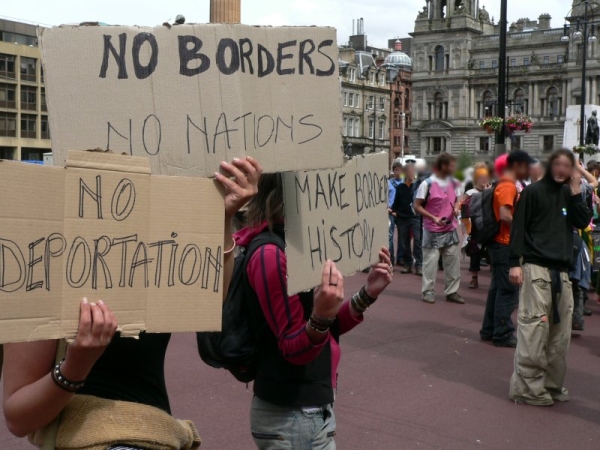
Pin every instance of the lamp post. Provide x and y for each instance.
(500, 141)
(403, 115)
(588, 34)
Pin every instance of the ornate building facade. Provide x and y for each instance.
(455, 78)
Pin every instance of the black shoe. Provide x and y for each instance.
(485, 338)
(587, 312)
(509, 343)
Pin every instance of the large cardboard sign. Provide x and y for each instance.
(339, 215)
(191, 96)
(104, 228)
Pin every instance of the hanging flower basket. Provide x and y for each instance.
(492, 125)
(585, 149)
(519, 122)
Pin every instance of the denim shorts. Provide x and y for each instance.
(283, 428)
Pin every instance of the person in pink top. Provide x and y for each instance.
(298, 335)
(436, 201)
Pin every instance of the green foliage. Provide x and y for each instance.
(464, 160)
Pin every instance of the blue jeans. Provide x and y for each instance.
(393, 225)
(286, 428)
(503, 298)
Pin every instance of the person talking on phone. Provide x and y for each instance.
(437, 201)
(540, 255)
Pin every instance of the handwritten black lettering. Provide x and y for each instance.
(79, 246)
(144, 71)
(187, 55)
(96, 196)
(234, 56)
(33, 260)
(118, 55)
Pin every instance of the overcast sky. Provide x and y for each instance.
(384, 19)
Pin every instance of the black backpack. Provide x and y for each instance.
(484, 225)
(234, 347)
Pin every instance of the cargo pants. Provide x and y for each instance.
(542, 345)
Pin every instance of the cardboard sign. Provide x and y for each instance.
(339, 215)
(104, 228)
(191, 96)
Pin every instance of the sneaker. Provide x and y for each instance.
(455, 298)
(474, 284)
(407, 269)
(418, 272)
(429, 297)
(509, 343)
(540, 402)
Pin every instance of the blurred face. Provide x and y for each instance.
(561, 169)
(536, 172)
(482, 181)
(397, 172)
(409, 172)
(522, 171)
(448, 170)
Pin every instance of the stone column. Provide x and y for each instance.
(225, 11)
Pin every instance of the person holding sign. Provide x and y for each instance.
(297, 336)
(109, 391)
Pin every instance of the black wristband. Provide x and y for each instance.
(366, 297)
(64, 383)
(319, 328)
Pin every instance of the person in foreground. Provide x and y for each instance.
(109, 391)
(542, 238)
(297, 336)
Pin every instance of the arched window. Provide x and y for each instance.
(406, 100)
(439, 58)
(553, 102)
(520, 102)
(488, 104)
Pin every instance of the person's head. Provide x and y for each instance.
(518, 163)
(536, 171)
(445, 165)
(410, 171)
(560, 165)
(267, 205)
(593, 167)
(500, 165)
(481, 176)
(397, 170)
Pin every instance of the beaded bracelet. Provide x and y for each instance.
(64, 383)
(323, 322)
(366, 297)
(317, 327)
(358, 305)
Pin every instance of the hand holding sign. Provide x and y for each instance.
(244, 185)
(380, 275)
(97, 326)
(329, 296)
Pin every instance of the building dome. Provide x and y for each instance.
(398, 58)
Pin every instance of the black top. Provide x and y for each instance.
(403, 200)
(542, 228)
(132, 370)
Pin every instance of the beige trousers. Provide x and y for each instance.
(541, 355)
(451, 261)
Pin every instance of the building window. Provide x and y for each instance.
(548, 143)
(440, 107)
(437, 144)
(32, 154)
(546, 60)
(371, 128)
(28, 69)
(484, 144)
(495, 64)
(357, 132)
(373, 78)
(382, 79)
(516, 142)
(382, 103)
(7, 66)
(520, 102)
(357, 100)
(406, 100)
(345, 97)
(439, 58)
(16, 38)
(553, 102)
(371, 104)
(29, 98)
(45, 127)
(489, 104)
(43, 100)
(396, 141)
(7, 153)
(8, 124)
(7, 96)
(560, 59)
(28, 126)
(381, 129)
(525, 61)
(352, 75)
(513, 62)
(482, 64)
(397, 123)
(351, 100)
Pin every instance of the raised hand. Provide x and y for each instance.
(241, 184)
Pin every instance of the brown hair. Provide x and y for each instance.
(267, 205)
(444, 159)
(557, 154)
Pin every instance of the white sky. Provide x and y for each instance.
(384, 19)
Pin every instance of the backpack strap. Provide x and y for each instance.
(264, 238)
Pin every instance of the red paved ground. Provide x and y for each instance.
(414, 376)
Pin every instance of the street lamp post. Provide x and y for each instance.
(500, 140)
(587, 35)
(403, 115)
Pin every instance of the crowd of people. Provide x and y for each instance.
(107, 392)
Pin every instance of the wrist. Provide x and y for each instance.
(73, 372)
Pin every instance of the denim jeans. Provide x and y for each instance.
(281, 428)
(503, 297)
(406, 227)
(396, 258)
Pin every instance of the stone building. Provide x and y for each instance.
(365, 92)
(455, 78)
(24, 130)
